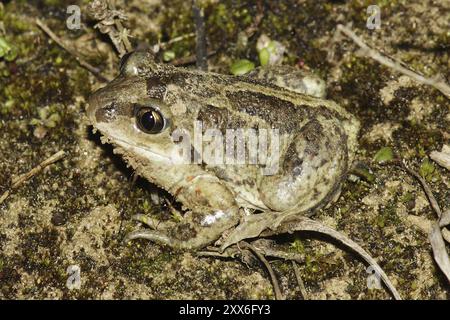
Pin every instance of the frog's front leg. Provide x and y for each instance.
(214, 210)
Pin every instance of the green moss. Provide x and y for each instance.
(388, 215)
(222, 17)
(408, 196)
(428, 171)
(297, 246)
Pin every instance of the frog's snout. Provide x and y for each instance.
(102, 108)
(94, 107)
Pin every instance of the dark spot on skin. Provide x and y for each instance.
(249, 182)
(213, 117)
(221, 173)
(184, 232)
(218, 118)
(156, 88)
(105, 114)
(109, 112)
(314, 135)
(280, 114)
(293, 165)
(327, 113)
(316, 194)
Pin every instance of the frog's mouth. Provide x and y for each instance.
(137, 149)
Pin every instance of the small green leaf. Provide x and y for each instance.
(364, 173)
(241, 67)
(8, 52)
(168, 56)
(264, 57)
(43, 113)
(383, 155)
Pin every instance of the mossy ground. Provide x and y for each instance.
(78, 210)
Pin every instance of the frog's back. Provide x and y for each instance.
(319, 136)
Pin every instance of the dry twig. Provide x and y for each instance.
(17, 182)
(434, 204)
(71, 51)
(260, 245)
(377, 56)
(109, 22)
(250, 31)
(201, 51)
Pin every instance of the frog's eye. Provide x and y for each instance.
(124, 60)
(149, 120)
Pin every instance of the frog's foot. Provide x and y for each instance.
(152, 235)
(187, 234)
(164, 239)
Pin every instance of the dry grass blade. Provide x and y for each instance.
(445, 219)
(436, 237)
(263, 247)
(301, 285)
(439, 250)
(261, 257)
(200, 48)
(446, 234)
(442, 158)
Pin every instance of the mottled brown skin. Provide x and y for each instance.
(318, 139)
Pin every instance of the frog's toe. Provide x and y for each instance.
(151, 235)
(164, 239)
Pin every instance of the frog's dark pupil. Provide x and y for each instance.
(150, 120)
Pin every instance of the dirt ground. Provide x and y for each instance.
(77, 211)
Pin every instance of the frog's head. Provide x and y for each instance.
(130, 116)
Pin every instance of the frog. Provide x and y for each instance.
(141, 111)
